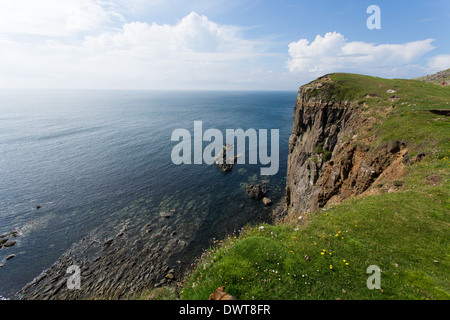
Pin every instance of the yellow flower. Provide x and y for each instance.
(346, 263)
(322, 253)
(331, 266)
(344, 260)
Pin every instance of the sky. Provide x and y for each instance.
(216, 44)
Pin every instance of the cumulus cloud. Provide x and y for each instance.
(334, 53)
(95, 44)
(195, 51)
(194, 33)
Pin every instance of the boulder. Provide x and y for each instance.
(9, 243)
(164, 214)
(266, 201)
(226, 165)
(107, 243)
(255, 191)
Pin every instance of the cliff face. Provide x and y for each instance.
(330, 155)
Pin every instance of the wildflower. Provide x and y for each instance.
(331, 266)
(322, 253)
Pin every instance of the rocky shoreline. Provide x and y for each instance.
(7, 241)
(118, 266)
(121, 260)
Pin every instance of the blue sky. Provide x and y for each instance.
(215, 44)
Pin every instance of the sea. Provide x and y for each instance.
(72, 161)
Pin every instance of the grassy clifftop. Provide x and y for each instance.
(325, 255)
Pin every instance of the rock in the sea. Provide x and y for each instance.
(226, 165)
(122, 231)
(10, 256)
(255, 191)
(3, 241)
(9, 243)
(107, 243)
(266, 201)
(163, 214)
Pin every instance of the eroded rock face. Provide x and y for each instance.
(330, 158)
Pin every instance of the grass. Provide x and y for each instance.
(325, 255)
(320, 150)
(409, 242)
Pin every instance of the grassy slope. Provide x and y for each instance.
(405, 233)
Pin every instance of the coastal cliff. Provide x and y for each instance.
(331, 154)
(370, 154)
(367, 185)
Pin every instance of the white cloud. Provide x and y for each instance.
(53, 18)
(194, 33)
(333, 53)
(195, 52)
(439, 62)
(88, 44)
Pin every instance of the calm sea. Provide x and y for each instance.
(86, 157)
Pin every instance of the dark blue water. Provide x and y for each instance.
(86, 157)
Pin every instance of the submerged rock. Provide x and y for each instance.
(255, 191)
(9, 243)
(166, 215)
(107, 243)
